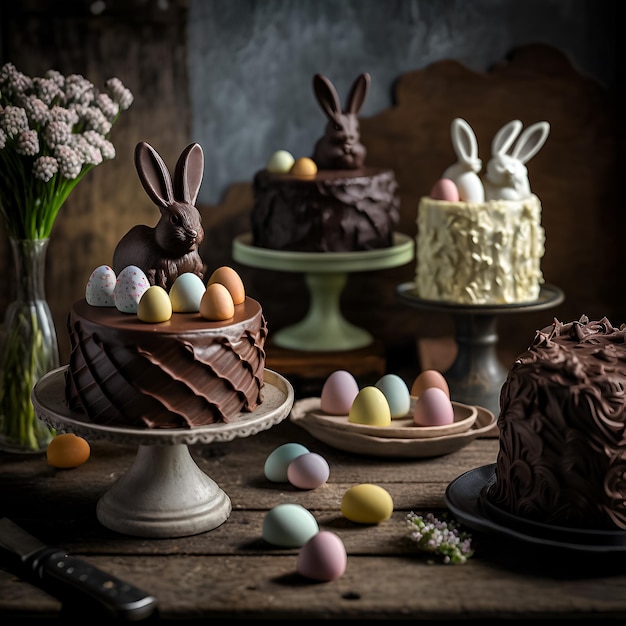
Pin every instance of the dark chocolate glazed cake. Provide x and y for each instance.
(562, 423)
(183, 373)
(345, 206)
(335, 211)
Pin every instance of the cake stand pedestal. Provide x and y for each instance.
(164, 493)
(476, 375)
(326, 273)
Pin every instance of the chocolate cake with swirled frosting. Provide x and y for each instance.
(562, 429)
(183, 373)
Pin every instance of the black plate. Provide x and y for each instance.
(466, 498)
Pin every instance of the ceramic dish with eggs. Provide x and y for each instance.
(400, 428)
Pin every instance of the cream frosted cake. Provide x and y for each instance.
(331, 202)
(482, 242)
(152, 345)
(562, 429)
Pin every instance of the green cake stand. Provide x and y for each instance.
(324, 327)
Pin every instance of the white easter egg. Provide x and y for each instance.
(186, 293)
(130, 286)
(280, 162)
(100, 287)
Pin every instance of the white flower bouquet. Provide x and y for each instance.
(53, 130)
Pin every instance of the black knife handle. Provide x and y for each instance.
(121, 599)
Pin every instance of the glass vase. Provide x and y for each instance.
(29, 349)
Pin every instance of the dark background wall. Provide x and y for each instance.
(235, 76)
(251, 62)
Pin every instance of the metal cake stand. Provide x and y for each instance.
(164, 493)
(326, 273)
(476, 375)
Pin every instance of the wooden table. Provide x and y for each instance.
(231, 572)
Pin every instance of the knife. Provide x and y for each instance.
(49, 566)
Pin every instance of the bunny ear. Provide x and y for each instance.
(464, 140)
(153, 174)
(188, 174)
(326, 95)
(358, 93)
(531, 141)
(505, 137)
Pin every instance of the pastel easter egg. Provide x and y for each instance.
(338, 393)
(155, 305)
(445, 189)
(129, 287)
(367, 504)
(186, 293)
(397, 394)
(323, 557)
(370, 407)
(217, 304)
(308, 471)
(228, 277)
(280, 162)
(289, 526)
(277, 462)
(100, 287)
(433, 408)
(429, 378)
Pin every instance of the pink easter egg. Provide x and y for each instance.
(445, 189)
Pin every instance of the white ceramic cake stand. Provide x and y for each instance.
(164, 493)
(476, 376)
(323, 328)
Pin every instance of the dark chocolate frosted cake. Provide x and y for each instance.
(562, 423)
(344, 206)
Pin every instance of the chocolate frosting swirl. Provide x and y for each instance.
(183, 373)
(562, 423)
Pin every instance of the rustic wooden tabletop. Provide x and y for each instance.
(232, 572)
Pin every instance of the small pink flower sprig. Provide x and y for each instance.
(53, 130)
(439, 537)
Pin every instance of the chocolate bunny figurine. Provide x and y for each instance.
(340, 147)
(171, 247)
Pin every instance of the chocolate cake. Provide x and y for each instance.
(344, 206)
(562, 429)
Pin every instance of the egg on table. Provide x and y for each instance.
(289, 525)
(67, 450)
(370, 407)
(323, 557)
(338, 393)
(367, 504)
(278, 461)
(308, 471)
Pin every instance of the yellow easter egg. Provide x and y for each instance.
(370, 407)
(67, 450)
(367, 504)
(217, 304)
(228, 277)
(155, 305)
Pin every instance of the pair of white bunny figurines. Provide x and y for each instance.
(506, 175)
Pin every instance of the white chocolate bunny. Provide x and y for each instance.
(464, 173)
(506, 176)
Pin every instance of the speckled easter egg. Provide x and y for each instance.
(129, 287)
(100, 287)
